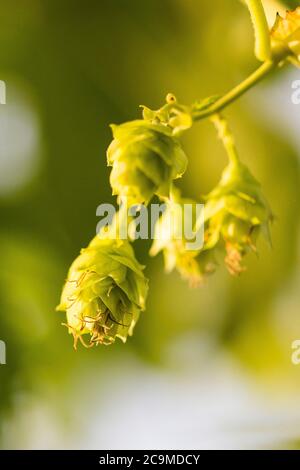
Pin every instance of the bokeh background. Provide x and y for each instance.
(206, 368)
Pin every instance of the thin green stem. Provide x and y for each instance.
(226, 137)
(261, 30)
(236, 92)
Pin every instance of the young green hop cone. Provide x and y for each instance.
(104, 293)
(285, 36)
(145, 159)
(193, 264)
(236, 212)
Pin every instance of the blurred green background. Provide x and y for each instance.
(206, 368)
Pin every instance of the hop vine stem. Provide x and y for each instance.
(265, 69)
(270, 57)
(226, 136)
(261, 30)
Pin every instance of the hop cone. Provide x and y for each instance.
(286, 34)
(236, 212)
(104, 293)
(145, 158)
(193, 265)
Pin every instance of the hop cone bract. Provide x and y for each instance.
(235, 212)
(286, 34)
(145, 158)
(105, 292)
(192, 264)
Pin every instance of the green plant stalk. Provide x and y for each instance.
(226, 137)
(236, 92)
(261, 30)
(272, 56)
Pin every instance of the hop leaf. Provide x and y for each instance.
(235, 212)
(104, 293)
(145, 158)
(193, 265)
(285, 34)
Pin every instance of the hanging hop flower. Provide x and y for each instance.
(105, 292)
(236, 212)
(145, 158)
(285, 36)
(170, 238)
